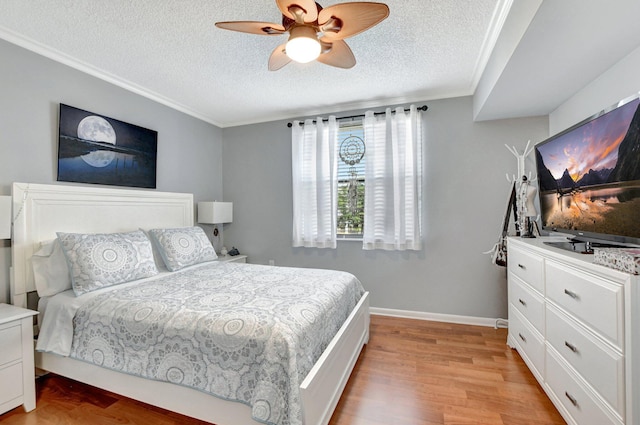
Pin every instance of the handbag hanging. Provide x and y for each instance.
(499, 257)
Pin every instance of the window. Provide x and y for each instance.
(351, 187)
(331, 165)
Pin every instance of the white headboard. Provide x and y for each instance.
(39, 211)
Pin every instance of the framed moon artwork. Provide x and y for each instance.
(96, 149)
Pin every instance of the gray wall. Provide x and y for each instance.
(618, 82)
(32, 87)
(465, 195)
(465, 190)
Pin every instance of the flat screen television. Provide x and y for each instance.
(589, 177)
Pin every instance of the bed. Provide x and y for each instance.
(41, 211)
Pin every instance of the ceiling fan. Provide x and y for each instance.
(314, 32)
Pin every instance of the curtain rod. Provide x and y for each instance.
(421, 108)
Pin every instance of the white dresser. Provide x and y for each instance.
(576, 325)
(17, 371)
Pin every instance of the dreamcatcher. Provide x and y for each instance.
(351, 152)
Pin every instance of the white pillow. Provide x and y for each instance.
(50, 270)
(100, 260)
(157, 257)
(183, 246)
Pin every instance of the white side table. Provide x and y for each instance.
(17, 370)
(233, 258)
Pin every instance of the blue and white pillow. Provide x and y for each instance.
(100, 260)
(182, 247)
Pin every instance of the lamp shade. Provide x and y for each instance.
(215, 212)
(5, 217)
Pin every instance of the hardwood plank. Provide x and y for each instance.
(60, 400)
(415, 372)
(412, 372)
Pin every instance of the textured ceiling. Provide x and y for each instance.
(170, 51)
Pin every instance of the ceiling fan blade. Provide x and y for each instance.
(278, 58)
(339, 55)
(253, 27)
(348, 19)
(309, 7)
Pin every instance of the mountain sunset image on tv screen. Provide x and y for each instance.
(589, 175)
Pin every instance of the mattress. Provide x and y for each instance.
(241, 332)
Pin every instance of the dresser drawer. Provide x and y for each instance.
(527, 342)
(11, 347)
(13, 375)
(576, 399)
(527, 302)
(599, 365)
(596, 302)
(528, 267)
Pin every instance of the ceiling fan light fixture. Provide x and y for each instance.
(315, 33)
(303, 45)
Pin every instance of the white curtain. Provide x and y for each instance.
(393, 179)
(315, 183)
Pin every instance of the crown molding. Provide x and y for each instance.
(101, 74)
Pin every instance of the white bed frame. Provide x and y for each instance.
(40, 211)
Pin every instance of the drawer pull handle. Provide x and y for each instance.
(571, 347)
(571, 294)
(571, 399)
(522, 302)
(522, 266)
(522, 338)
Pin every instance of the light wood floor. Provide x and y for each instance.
(412, 372)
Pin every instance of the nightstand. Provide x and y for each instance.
(233, 258)
(17, 370)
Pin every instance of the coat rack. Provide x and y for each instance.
(521, 191)
(520, 157)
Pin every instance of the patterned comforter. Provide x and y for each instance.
(241, 332)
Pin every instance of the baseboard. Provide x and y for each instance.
(439, 317)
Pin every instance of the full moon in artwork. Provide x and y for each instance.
(97, 129)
